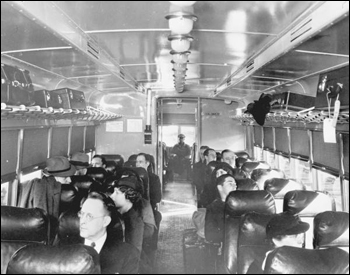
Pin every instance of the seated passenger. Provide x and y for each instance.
(283, 229)
(214, 219)
(155, 189)
(96, 215)
(229, 157)
(261, 175)
(80, 162)
(98, 161)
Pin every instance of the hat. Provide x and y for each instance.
(59, 167)
(285, 224)
(80, 160)
(131, 182)
(181, 136)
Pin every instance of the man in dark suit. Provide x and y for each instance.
(116, 257)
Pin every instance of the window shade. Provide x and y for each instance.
(258, 136)
(77, 140)
(346, 152)
(300, 143)
(59, 143)
(90, 138)
(325, 154)
(282, 141)
(9, 147)
(35, 143)
(268, 138)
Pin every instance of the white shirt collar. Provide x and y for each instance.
(98, 243)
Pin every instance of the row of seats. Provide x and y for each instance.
(247, 214)
(29, 227)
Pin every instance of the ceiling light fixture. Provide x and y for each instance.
(180, 42)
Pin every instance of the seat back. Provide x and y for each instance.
(307, 204)
(279, 187)
(331, 229)
(97, 173)
(237, 204)
(70, 199)
(84, 184)
(116, 158)
(19, 227)
(294, 260)
(66, 259)
(246, 185)
(252, 243)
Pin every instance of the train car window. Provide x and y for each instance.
(9, 147)
(77, 140)
(346, 154)
(4, 193)
(269, 143)
(269, 157)
(330, 184)
(59, 142)
(258, 136)
(302, 173)
(190, 133)
(90, 139)
(169, 134)
(32, 141)
(25, 177)
(258, 153)
(325, 154)
(284, 165)
(282, 142)
(346, 195)
(299, 143)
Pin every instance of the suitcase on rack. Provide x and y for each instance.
(16, 86)
(71, 99)
(291, 102)
(45, 99)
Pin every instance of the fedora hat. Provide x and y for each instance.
(59, 167)
(80, 160)
(285, 224)
(131, 182)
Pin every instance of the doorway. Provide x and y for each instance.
(176, 116)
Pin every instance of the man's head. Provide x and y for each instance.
(81, 162)
(95, 215)
(60, 168)
(229, 157)
(201, 152)
(181, 138)
(143, 160)
(98, 161)
(225, 184)
(286, 229)
(209, 155)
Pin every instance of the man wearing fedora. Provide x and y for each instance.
(282, 230)
(81, 163)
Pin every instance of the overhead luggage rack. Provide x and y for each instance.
(303, 117)
(37, 112)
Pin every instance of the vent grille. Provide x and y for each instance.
(93, 49)
(250, 66)
(301, 29)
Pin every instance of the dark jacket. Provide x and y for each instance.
(134, 228)
(119, 257)
(155, 190)
(214, 221)
(199, 175)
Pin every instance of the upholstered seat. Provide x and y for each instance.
(293, 260)
(19, 227)
(331, 229)
(66, 259)
(237, 204)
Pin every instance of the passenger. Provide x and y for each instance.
(199, 170)
(81, 163)
(60, 168)
(282, 230)
(96, 216)
(218, 156)
(209, 155)
(215, 217)
(180, 157)
(229, 157)
(98, 161)
(131, 162)
(155, 188)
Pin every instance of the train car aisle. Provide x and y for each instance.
(177, 208)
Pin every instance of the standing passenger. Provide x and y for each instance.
(229, 157)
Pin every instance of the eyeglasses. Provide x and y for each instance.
(88, 217)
